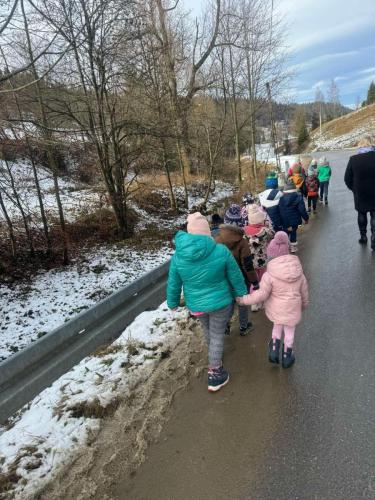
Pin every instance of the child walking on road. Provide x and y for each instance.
(292, 209)
(284, 291)
(312, 185)
(211, 279)
(324, 176)
(233, 238)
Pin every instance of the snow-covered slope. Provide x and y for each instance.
(345, 132)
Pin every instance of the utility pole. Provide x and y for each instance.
(273, 127)
(320, 118)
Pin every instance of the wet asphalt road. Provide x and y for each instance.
(303, 433)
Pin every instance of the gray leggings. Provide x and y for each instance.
(214, 324)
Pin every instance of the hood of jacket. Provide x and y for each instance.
(270, 198)
(193, 247)
(285, 268)
(291, 198)
(230, 235)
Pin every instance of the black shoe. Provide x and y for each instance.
(227, 330)
(274, 351)
(309, 210)
(315, 212)
(244, 330)
(288, 358)
(363, 240)
(326, 202)
(373, 244)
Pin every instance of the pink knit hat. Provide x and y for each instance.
(255, 215)
(198, 224)
(278, 246)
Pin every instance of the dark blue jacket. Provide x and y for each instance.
(275, 216)
(292, 209)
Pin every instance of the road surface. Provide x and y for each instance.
(303, 433)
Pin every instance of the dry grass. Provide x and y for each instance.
(345, 124)
(93, 409)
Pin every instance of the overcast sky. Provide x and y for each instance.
(329, 39)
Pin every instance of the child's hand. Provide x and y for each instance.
(290, 229)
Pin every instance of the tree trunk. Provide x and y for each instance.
(20, 207)
(235, 118)
(10, 227)
(47, 135)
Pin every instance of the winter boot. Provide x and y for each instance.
(244, 330)
(363, 239)
(288, 358)
(274, 350)
(294, 247)
(217, 378)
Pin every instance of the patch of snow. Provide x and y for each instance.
(47, 433)
(29, 311)
(348, 140)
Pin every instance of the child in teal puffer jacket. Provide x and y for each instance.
(324, 176)
(211, 279)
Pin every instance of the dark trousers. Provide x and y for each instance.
(292, 234)
(362, 222)
(324, 190)
(312, 202)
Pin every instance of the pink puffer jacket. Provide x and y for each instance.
(283, 289)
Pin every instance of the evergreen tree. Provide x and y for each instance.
(314, 120)
(371, 93)
(300, 127)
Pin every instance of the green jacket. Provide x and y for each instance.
(324, 173)
(207, 272)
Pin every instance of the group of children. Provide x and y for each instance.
(249, 258)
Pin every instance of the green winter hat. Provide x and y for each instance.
(271, 175)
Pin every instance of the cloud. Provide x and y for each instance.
(316, 61)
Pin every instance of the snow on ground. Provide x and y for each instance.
(75, 198)
(46, 434)
(349, 140)
(29, 311)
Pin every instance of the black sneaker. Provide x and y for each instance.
(217, 378)
(326, 202)
(244, 330)
(363, 240)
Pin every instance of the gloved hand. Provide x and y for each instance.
(255, 285)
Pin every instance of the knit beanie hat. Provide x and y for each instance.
(255, 216)
(289, 185)
(311, 170)
(271, 175)
(323, 161)
(233, 215)
(198, 224)
(278, 246)
(297, 169)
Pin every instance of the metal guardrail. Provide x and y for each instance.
(27, 373)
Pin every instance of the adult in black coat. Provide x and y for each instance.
(360, 178)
